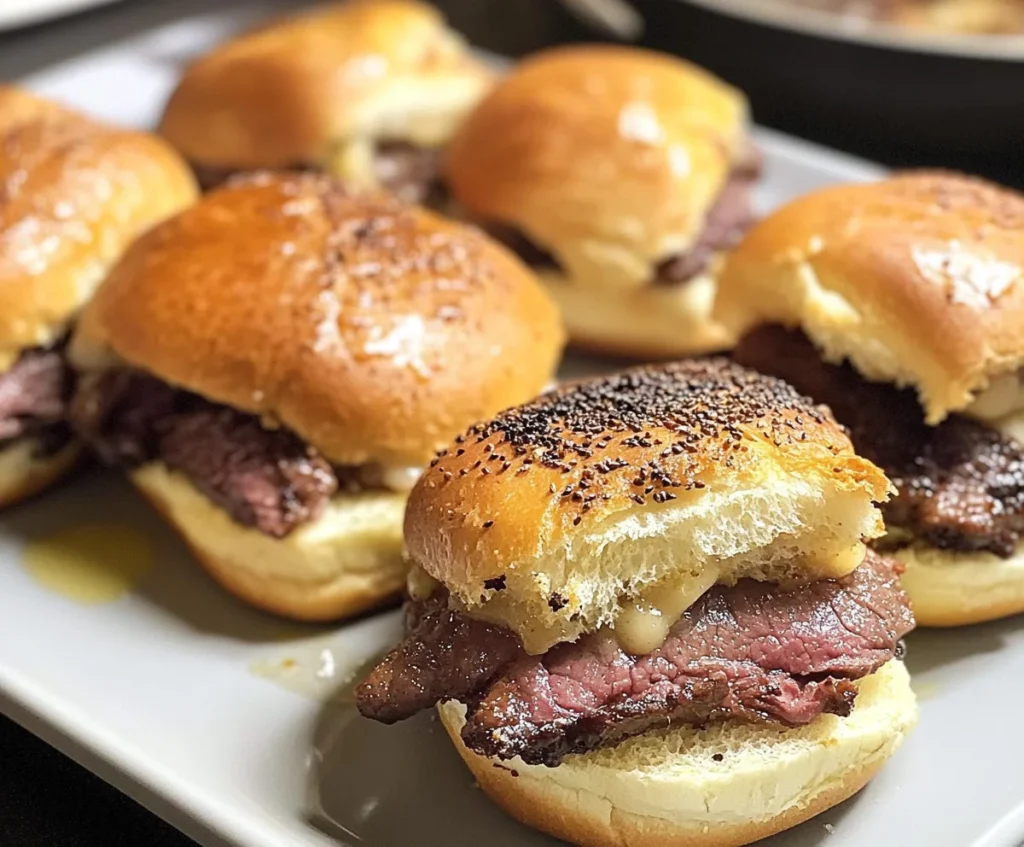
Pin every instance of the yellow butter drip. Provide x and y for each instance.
(90, 563)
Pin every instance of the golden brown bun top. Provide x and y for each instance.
(917, 280)
(374, 330)
(287, 93)
(608, 157)
(551, 511)
(73, 194)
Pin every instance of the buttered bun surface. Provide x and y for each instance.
(373, 330)
(917, 280)
(296, 91)
(721, 786)
(76, 193)
(544, 518)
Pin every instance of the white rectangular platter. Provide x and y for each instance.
(227, 722)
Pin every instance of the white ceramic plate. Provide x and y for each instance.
(165, 691)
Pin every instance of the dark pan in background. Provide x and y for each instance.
(897, 97)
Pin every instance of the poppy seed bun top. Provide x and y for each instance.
(916, 280)
(374, 330)
(545, 518)
(607, 157)
(75, 192)
(290, 92)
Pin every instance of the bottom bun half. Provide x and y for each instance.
(346, 561)
(653, 322)
(728, 784)
(947, 588)
(24, 473)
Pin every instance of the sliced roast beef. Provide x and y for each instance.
(34, 393)
(265, 478)
(961, 483)
(728, 219)
(119, 414)
(752, 652)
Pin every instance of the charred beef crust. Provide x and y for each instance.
(961, 483)
(727, 220)
(751, 652)
(34, 396)
(267, 479)
(444, 656)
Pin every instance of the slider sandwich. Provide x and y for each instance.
(900, 305)
(366, 90)
(274, 366)
(74, 193)
(621, 175)
(645, 611)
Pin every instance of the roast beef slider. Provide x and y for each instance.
(648, 595)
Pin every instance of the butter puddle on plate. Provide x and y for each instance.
(91, 563)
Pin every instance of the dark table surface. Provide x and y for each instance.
(45, 799)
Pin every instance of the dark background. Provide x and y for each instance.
(48, 801)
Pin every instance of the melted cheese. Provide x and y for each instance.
(1003, 396)
(401, 479)
(643, 624)
(353, 161)
(419, 584)
(847, 561)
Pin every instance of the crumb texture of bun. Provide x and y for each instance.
(721, 786)
(346, 561)
(951, 588)
(655, 323)
(603, 489)
(916, 280)
(607, 157)
(375, 331)
(24, 473)
(75, 193)
(287, 94)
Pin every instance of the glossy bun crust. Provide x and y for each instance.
(75, 193)
(285, 94)
(374, 330)
(916, 280)
(607, 157)
(543, 518)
